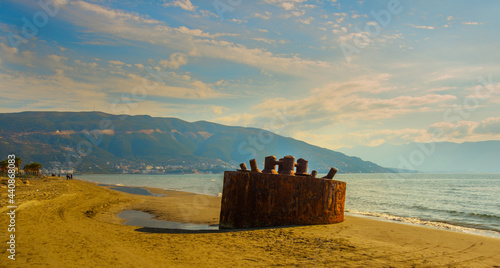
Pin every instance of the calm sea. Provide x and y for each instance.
(460, 202)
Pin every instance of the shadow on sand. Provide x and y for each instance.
(184, 231)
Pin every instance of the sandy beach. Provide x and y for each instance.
(71, 223)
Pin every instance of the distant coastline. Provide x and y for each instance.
(96, 142)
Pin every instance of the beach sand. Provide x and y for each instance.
(73, 223)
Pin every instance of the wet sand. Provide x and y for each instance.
(73, 223)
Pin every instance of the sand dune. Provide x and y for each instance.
(74, 224)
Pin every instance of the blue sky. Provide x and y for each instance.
(331, 73)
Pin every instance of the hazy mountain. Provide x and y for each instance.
(97, 142)
(447, 157)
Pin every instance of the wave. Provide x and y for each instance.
(489, 218)
(435, 224)
(471, 215)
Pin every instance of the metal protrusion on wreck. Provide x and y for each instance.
(253, 165)
(280, 165)
(287, 165)
(314, 173)
(243, 167)
(331, 173)
(301, 167)
(270, 163)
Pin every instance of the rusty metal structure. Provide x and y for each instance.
(254, 198)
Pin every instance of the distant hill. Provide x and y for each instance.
(439, 157)
(97, 142)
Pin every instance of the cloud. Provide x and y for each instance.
(449, 130)
(176, 60)
(263, 59)
(362, 38)
(8, 51)
(50, 91)
(97, 88)
(238, 20)
(184, 4)
(438, 89)
(288, 6)
(116, 62)
(32, 59)
(198, 32)
(218, 110)
(298, 13)
(394, 136)
(472, 23)
(265, 40)
(341, 17)
(113, 14)
(244, 120)
(265, 16)
(306, 21)
(489, 126)
(193, 42)
(118, 22)
(159, 83)
(357, 101)
(421, 26)
(285, 4)
(92, 65)
(322, 140)
(13, 55)
(57, 58)
(441, 77)
(151, 107)
(486, 129)
(86, 85)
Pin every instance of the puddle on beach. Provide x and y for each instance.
(131, 190)
(144, 219)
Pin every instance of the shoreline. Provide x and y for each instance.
(74, 223)
(202, 192)
(369, 215)
(426, 224)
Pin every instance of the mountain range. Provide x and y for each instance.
(96, 142)
(437, 157)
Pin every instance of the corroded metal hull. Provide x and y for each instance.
(252, 199)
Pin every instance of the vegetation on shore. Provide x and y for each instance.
(29, 169)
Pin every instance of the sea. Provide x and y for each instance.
(468, 203)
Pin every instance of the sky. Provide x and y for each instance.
(331, 73)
